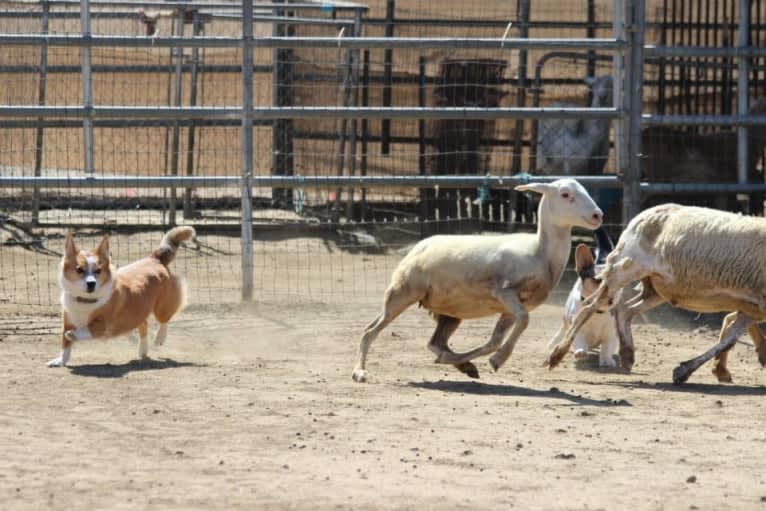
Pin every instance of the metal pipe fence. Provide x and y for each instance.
(245, 132)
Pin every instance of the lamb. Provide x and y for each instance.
(473, 276)
(700, 259)
(672, 155)
(576, 147)
(601, 329)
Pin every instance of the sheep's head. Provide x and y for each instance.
(602, 88)
(566, 203)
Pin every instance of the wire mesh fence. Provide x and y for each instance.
(336, 242)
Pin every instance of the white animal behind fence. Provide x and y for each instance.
(466, 277)
(576, 146)
(699, 259)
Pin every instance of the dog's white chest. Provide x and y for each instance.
(77, 313)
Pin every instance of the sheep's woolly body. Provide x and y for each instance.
(454, 272)
(703, 257)
(699, 259)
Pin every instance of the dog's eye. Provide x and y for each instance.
(565, 195)
(79, 269)
(97, 271)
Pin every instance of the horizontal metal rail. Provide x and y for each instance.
(703, 120)
(605, 181)
(308, 112)
(159, 4)
(140, 68)
(258, 18)
(286, 181)
(136, 123)
(410, 43)
(704, 51)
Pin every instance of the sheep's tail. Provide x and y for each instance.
(166, 252)
(605, 245)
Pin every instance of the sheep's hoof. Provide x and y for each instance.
(494, 363)
(681, 373)
(359, 376)
(627, 358)
(723, 374)
(469, 369)
(554, 358)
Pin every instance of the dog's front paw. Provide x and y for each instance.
(56, 362)
(580, 354)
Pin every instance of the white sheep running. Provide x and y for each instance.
(699, 259)
(473, 276)
(576, 146)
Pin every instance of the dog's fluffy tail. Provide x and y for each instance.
(166, 252)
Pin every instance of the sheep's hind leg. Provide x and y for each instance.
(734, 330)
(624, 317)
(445, 327)
(719, 363)
(463, 360)
(396, 301)
(759, 341)
(502, 327)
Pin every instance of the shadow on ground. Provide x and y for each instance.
(120, 370)
(488, 389)
(715, 389)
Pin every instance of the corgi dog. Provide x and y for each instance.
(99, 301)
(601, 329)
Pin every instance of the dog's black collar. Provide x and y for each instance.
(82, 299)
(582, 299)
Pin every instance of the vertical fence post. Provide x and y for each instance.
(522, 8)
(365, 129)
(619, 81)
(282, 95)
(590, 33)
(177, 100)
(388, 57)
(355, 102)
(190, 140)
(635, 17)
(39, 138)
(743, 70)
(247, 150)
(87, 88)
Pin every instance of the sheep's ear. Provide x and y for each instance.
(541, 188)
(583, 258)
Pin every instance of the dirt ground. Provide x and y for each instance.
(253, 407)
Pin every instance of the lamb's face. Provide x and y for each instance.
(570, 205)
(602, 88)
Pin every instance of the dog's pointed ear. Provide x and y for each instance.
(70, 249)
(103, 248)
(583, 258)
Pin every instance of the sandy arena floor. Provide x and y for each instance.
(254, 408)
